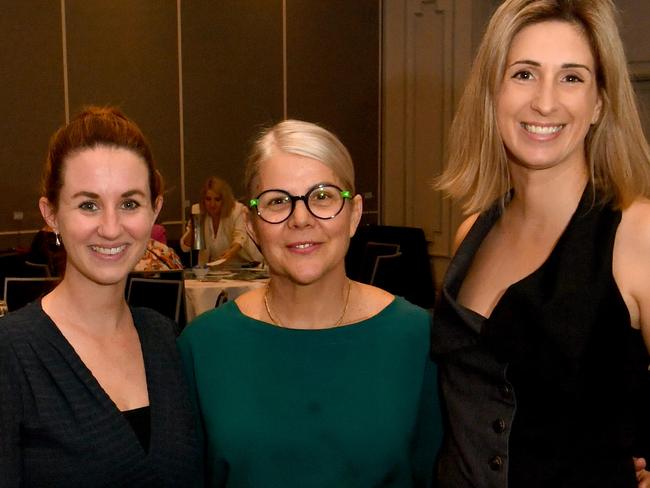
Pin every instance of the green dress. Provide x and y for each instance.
(352, 406)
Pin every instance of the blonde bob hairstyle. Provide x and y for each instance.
(220, 188)
(617, 152)
(301, 139)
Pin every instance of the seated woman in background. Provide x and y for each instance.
(91, 391)
(159, 233)
(158, 257)
(314, 380)
(224, 228)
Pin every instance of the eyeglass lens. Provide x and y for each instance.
(324, 202)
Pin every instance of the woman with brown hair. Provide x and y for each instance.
(543, 327)
(92, 392)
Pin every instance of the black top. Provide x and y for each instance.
(59, 428)
(140, 421)
(551, 390)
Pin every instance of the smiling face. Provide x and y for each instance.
(548, 96)
(303, 248)
(104, 213)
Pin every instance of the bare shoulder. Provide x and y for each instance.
(463, 229)
(634, 229)
(631, 266)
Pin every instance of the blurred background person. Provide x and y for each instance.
(314, 380)
(92, 391)
(159, 233)
(223, 227)
(158, 257)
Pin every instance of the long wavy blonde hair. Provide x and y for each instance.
(616, 149)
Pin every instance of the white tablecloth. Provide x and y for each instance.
(201, 296)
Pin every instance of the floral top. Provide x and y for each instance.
(158, 257)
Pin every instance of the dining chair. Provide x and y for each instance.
(387, 273)
(221, 298)
(412, 278)
(19, 291)
(162, 295)
(37, 269)
(372, 252)
(172, 274)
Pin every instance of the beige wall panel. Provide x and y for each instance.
(636, 25)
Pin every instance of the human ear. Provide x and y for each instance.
(250, 227)
(157, 206)
(357, 209)
(48, 213)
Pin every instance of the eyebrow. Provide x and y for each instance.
(89, 194)
(564, 66)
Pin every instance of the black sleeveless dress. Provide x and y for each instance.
(552, 389)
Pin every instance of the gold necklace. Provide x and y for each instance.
(338, 322)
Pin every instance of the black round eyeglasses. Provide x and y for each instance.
(323, 201)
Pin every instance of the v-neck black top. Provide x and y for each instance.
(140, 421)
(552, 388)
(59, 428)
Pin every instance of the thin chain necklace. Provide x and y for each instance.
(276, 322)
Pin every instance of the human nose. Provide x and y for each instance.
(109, 224)
(301, 216)
(545, 97)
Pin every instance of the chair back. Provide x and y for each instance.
(37, 269)
(409, 275)
(387, 274)
(12, 263)
(162, 295)
(371, 252)
(221, 298)
(19, 291)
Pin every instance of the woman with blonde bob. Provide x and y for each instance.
(313, 380)
(542, 330)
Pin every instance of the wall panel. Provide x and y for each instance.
(333, 61)
(124, 52)
(232, 84)
(231, 71)
(31, 97)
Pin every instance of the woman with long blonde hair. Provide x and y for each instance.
(543, 327)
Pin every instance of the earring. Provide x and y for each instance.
(57, 240)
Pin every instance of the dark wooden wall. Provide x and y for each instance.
(233, 79)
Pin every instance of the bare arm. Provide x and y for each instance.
(231, 252)
(631, 269)
(631, 265)
(187, 238)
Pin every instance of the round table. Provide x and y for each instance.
(204, 295)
